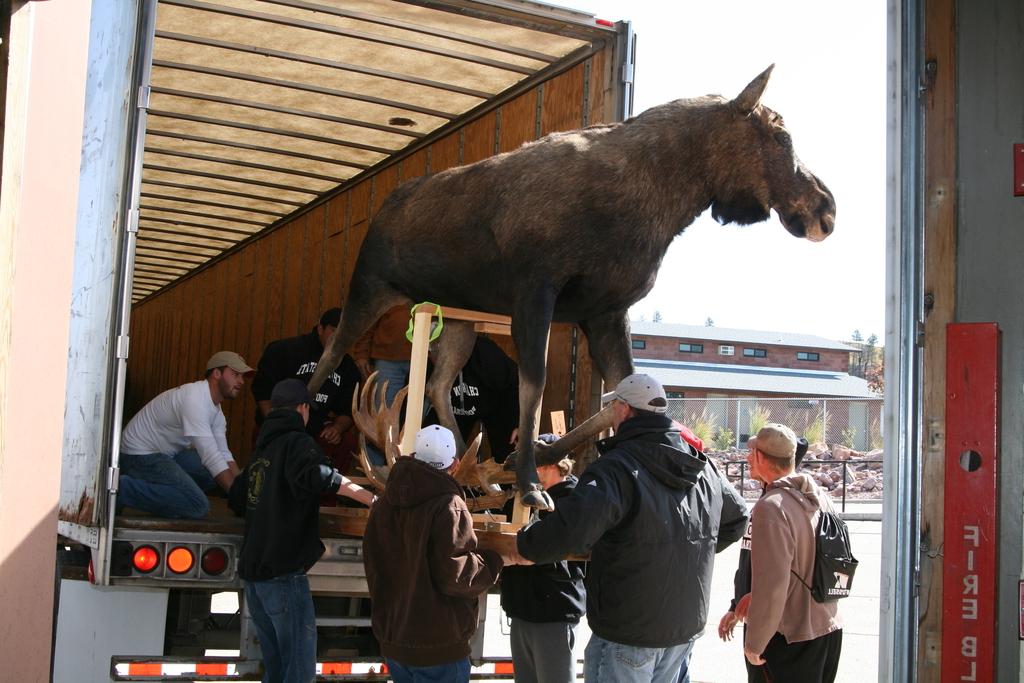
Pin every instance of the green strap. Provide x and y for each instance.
(435, 329)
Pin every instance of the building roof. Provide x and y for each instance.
(727, 335)
(727, 378)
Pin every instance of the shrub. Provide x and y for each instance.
(759, 417)
(815, 432)
(701, 425)
(875, 441)
(849, 436)
(724, 439)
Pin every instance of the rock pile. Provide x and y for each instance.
(863, 470)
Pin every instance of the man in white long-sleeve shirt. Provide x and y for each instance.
(175, 449)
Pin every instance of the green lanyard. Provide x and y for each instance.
(435, 329)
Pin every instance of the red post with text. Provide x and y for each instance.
(971, 537)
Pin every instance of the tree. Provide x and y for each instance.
(657, 317)
(709, 322)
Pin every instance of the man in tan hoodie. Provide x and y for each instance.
(790, 635)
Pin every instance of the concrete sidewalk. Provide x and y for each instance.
(715, 661)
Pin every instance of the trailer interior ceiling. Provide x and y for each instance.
(258, 110)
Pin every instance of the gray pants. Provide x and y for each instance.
(543, 653)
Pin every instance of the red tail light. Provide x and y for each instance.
(145, 559)
(180, 560)
(214, 561)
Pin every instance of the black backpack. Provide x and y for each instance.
(834, 563)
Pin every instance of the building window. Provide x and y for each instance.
(639, 344)
(675, 394)
(691, 348)
(755, 353)
(807, 355)
(726, 350)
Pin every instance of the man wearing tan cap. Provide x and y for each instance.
(175, 449)
(789, 635)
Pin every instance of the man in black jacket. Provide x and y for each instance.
(652, 511)
(545, 601)
(330, 414)
(278, 493)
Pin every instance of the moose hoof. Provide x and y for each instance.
(538, 498)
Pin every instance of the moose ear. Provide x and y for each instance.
(751, 95)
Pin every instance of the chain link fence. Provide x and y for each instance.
(728, 422)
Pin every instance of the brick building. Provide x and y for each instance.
(694, 361)
(724, 376)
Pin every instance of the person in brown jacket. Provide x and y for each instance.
(423, 567)
(790, 635)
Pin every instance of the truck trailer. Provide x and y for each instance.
(234, 154)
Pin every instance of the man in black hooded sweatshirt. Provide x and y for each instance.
(652, 512)
(278, 493)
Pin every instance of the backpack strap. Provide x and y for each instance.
(820, 509)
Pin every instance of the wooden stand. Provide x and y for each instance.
(489, 323)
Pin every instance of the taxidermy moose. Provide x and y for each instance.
(572, 228)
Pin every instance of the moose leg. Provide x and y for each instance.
(608, 339)
(531, 322)
(365, 305)
(454, 347)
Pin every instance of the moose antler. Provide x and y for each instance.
(377, 420)
(472, 474)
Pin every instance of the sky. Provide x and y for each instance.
(829, 84)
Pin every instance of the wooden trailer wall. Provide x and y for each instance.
(277, 285)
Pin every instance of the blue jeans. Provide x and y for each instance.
(282, 610)
(455, 672)
(396, 373)
(165, 485)
(608, 662)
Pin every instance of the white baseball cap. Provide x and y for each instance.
(435, 445)
(640, 391)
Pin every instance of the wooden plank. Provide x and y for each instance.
(493, 328)
(940, 289)
(384, 184)
(478, 143)
(336, 521)
(218, 308)
(445, 153)
(335, 281)
(310, 304)
(271, 285)
(417, 379)
(243, 414)
(518, 121)
(414, 166)
(358, 223)
(261, 262)
(294, 246)
(602, 103)
(453, 313)
(563, 102)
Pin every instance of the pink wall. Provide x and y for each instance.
(42, 148)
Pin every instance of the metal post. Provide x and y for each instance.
(130, 227)
(845, 473)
